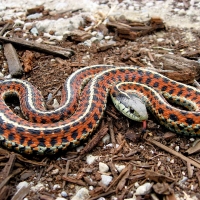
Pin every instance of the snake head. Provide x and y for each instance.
(131, 105)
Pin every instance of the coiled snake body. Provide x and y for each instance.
(84, 101)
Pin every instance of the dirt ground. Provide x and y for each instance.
(157, 156)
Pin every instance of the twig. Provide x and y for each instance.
(55, 50)
(112, 134)
(102, 195)
(17, 171)
(94, 141)
(66, 172)
(4, 29)
(73, 180)
(173, 152)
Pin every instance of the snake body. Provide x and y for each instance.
(84, 99)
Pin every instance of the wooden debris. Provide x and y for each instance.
(131, 31)
(123, 180)
(73, 180)
(102, 195)
(77, 35)
(195, 148)
(162, 188)
(105, 46)
(116, 180)
(15, 172)
(14, 65)
(93, 142)
(21, 193)
(27, 59)
(5, 192)
(66, 172)
(112, 134)
(179, 68)
(175, 153)
(8, 167)
(154, 176)
(34, 10)
(54, 50)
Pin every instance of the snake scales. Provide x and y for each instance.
(84, 99)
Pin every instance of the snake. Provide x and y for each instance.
(83, 102)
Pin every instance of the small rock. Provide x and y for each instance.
(107, 37)
(143, 189)
(90, 159)
(119, 167)
(101, 198)
(56, 186)
(106, 139)
(177, 148)
(103, 168)
(55, 171)
(82, 194)
(91, 187)
(35, 16)
(64, 194)
(37, 187)
(34, 31)
(18, 22)
(55, 104)
(105, 179)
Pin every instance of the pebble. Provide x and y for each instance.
(56, 186)
(34, 16)
(177, 148)
(91, 187)
(107, 37)
(106, 139)
(119, 167)
(55, 171)
(90, 159)
(18, 22)
(64, 194)
(55, 104)
(37, 187)
(143, 189)
(105, 179)
(103, 168)
(34, 31)
(82, 194)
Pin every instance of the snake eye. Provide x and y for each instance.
(132, 110)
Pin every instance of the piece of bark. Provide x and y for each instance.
(179, 68)
(77, 35)
(8, 167)
(131, 31)
(106, 45)
(73, 180)
(5, 192)
(14, 65)
(154, 176)
(54, 50)
(28, 60)
(93, 142)
(34, 10)
(173, 152)
(21, 193)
